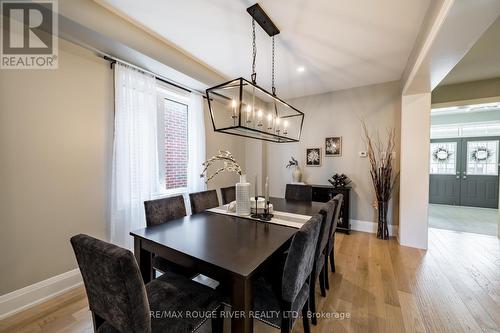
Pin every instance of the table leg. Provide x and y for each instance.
(144, 260)
(242, 301)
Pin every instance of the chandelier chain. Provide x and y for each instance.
(273, 86)
(254, 53)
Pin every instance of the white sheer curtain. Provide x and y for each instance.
(135, 156)
(196, 137)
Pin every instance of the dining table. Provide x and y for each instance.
(227, 248)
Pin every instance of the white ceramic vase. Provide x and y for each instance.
(243, 196)
(296, 175)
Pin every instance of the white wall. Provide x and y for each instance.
(414, 183)
(339, 114)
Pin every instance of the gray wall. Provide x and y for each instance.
(466, 91)
(55, 147)
(339, 114)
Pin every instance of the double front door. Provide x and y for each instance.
(464, 172)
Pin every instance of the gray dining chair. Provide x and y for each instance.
(290, 295)
(330, 251)
(120, 302)
(161, 211)
(228, 194)
(202, 201)
(319, 270)
(298, 192)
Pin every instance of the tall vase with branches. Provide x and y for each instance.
(383, 174)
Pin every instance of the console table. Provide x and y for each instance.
(323, 193)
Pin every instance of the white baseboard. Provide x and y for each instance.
(371, 227)
(24, 298)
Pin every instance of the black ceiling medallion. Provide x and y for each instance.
(240, 107)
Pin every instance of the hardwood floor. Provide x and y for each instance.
(384, 287)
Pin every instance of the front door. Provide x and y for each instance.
(479, 179)
(444, 184)
(464, 172)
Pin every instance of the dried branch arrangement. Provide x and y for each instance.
(230, 165)
(384, 176)
(292, 162)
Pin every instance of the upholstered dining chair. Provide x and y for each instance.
(161, 211)
(331, 240)
(228, 194)
(298, 192)
(202, 201)
(120, 302)
(291, 293)
(319, 270)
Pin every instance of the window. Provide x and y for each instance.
(172, 140)
(465, 130)
(443, 158)
(482, 158)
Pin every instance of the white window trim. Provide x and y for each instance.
(459, 130)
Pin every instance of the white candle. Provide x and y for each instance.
(285, 125)
(259, 116)
(266, 189)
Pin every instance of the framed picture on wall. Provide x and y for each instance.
(313, 157)
(333, 146)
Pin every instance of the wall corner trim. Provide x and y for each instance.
(24, 298)
(371, 227)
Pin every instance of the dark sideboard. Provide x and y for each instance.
(323, 193)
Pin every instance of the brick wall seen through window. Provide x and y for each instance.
(176, 144)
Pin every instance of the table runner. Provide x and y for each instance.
(281, 218)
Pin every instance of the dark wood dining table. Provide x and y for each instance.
(229, 249)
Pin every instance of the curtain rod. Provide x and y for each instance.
(113, 60)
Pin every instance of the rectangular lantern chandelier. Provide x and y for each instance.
(240, 107)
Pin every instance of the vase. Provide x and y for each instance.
(296, 175)
(243, 197)
(382, 230)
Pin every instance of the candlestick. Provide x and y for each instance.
(259, 116)
(269, 121)
(256, 187)
(285, 127)
(249, 109)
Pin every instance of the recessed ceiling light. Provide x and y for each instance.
(301, 69)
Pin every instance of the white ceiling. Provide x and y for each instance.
(481, 62)
(341, 44)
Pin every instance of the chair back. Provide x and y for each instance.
(163, 210)
(300, 258)
(202, 201)
(228, 194)
(327, 214)
(115, 289)
(298, 192)
(339, 198)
